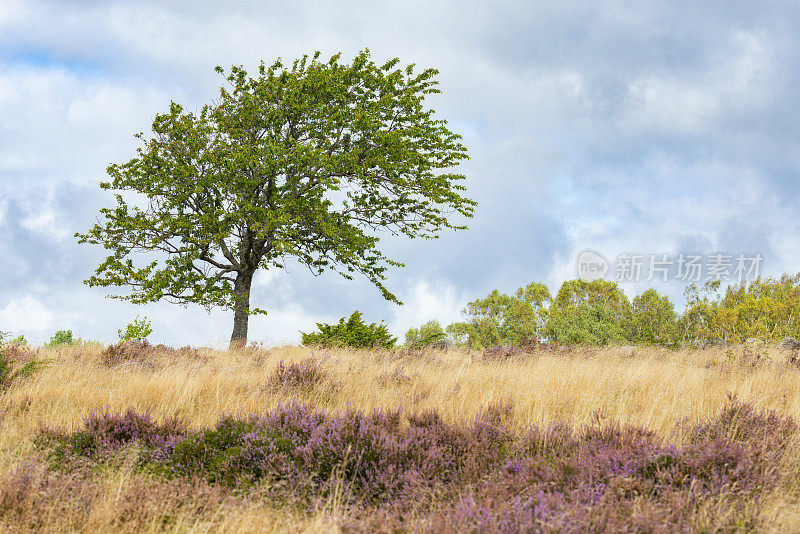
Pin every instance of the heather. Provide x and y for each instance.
(423, 473)
(525, 438)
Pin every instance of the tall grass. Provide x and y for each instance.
(663, 391)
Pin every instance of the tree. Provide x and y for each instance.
(697, 322)
(426, 335)
(304, 162)
(501, 319)
(653, 320)
(585, 324)
(588, 313)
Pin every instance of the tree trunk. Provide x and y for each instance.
(241, 313)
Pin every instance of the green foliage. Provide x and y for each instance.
(700, 312)
(599, 313)
(213, 452)
(425, 335)
(351, 332)
(138, 330)
(305, 160)
(766, 309)
(61, 338)
(596, 293)
(13, 368)
(588, 313)
(652, 321)
(501, 319)
(19, 340)
(585, 324)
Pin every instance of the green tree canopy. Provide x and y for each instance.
(588, 312)
(427, 334)
(305, 161)
(653, 320)
(502, 319)
(767, 309)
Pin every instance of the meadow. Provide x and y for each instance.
(299, 439)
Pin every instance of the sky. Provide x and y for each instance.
(637, 130)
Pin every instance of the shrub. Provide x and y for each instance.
(352, 332)
(61, 338)
(624, 479)
(478, 477)
(138, 330)
(104, 434)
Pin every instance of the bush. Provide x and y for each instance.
(478, 476)
(352, 332)
(138, 330)
(61, 338)
(104, 435)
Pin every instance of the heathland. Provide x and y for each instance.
(149, 439)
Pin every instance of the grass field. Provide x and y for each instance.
(114, 486)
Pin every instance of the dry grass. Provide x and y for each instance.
(658, 389)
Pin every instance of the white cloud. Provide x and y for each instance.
(25, 314)
(265, 278)
(11, 11)
(428, 300)
(695, 104)
(44, 220)
(628, 128)
(62, 125)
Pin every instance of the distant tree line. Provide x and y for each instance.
(599, 313)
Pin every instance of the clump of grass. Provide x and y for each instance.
(398, 377)
(304, 375)
(507, 352)
(127, 352)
